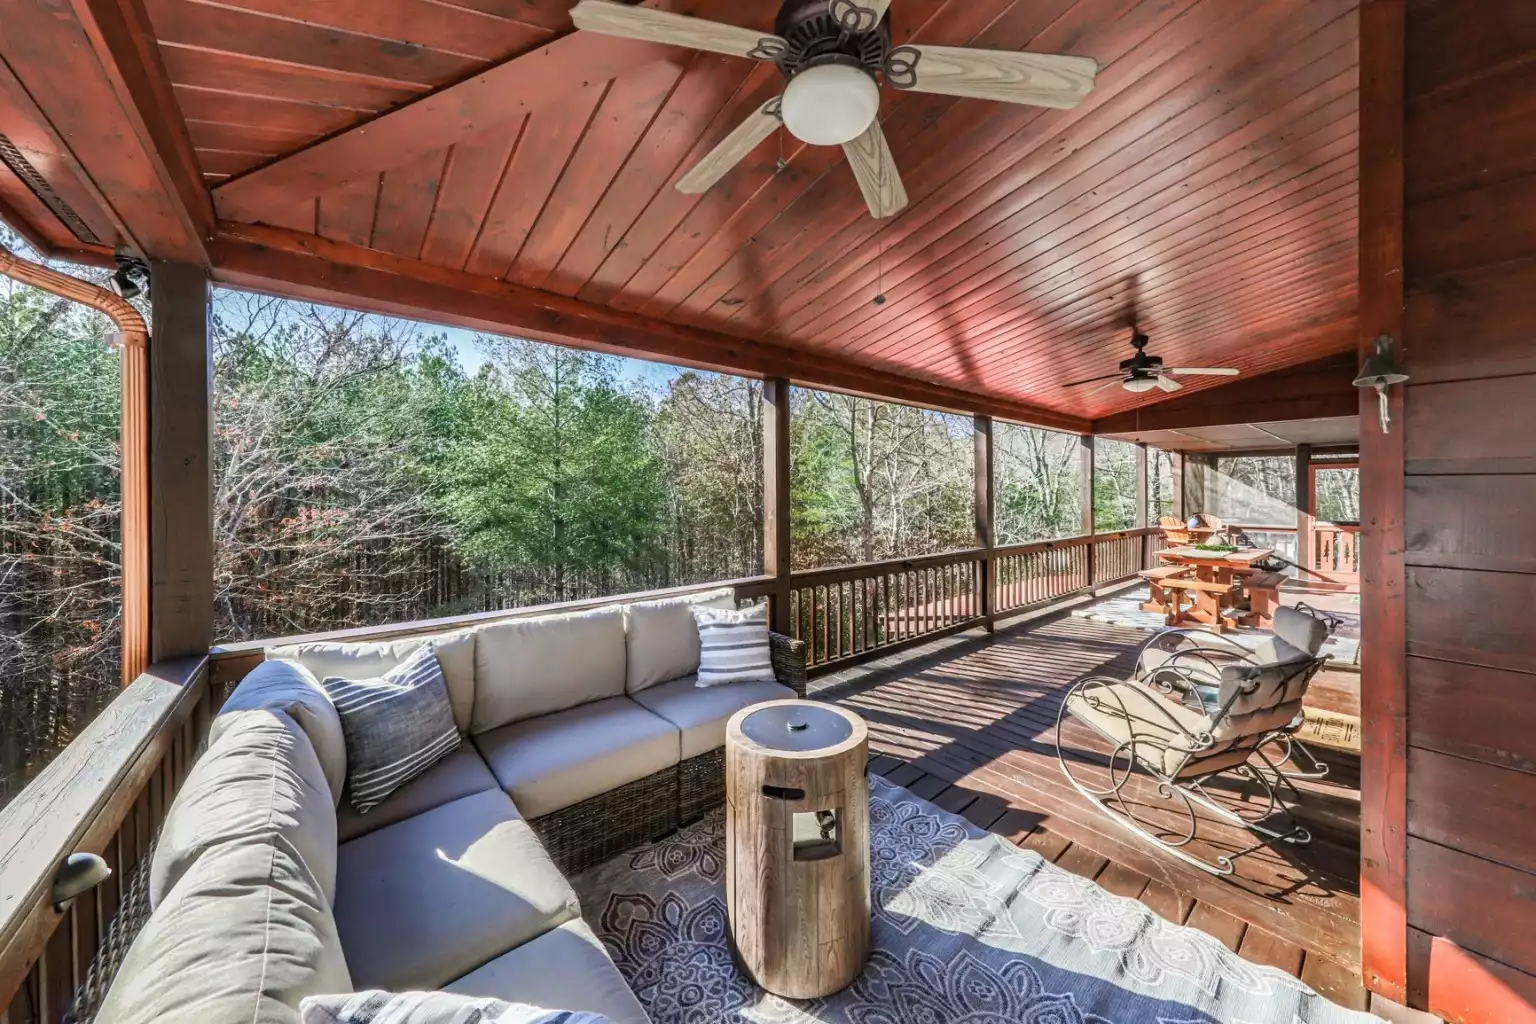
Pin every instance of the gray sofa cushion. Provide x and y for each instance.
(430, 898)
(455, 653)
(397, 726)
(567, 967)
(662, 639)
(244, 936)
(259, 782)
(289, 687)
(531, 667)
(701, 713)
(462, 773)
(557, 760)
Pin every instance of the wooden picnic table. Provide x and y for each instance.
(1214, 572)
(1216, 566)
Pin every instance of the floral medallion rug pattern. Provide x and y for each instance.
(967, 929)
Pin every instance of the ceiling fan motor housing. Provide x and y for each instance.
(816, 36)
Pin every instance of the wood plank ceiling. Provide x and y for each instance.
(1210, 180)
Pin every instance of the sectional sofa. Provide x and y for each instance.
(584, 735)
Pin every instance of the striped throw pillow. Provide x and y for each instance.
(375, 1007)
(396, 727)
(733, 645)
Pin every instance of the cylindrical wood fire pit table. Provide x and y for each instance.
(797, 845)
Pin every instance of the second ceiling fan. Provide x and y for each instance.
(1143, 372)
(834, 54)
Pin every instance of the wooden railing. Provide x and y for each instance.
(850, 613)
(106, 793)
(853, 610)
(1336, 548)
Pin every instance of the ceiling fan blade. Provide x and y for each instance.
(615, 19)
(1040, 79)
(1104, 387)
(1168, 383)
(870, 157)
(732, 150)
(1091, 380)
(1204, 371)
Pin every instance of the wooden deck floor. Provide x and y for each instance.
(970, 725)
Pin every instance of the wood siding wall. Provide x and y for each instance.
(1469, 506)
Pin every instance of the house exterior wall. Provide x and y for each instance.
(1469, 506)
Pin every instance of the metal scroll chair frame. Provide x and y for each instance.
(1201, 664)
(1272, 821)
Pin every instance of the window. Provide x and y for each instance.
(371, 470)
(1337, 494)
(1257, 489)
(60, 515)
(1114, 485)
(875, 480)
(1037, 484)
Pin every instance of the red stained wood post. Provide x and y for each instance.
(1140, 521)
(985, 530)
(1085, 452)
(1306, 541)
(180, 462)
(776, 554)
(1383, 653)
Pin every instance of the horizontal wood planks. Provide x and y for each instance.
(1470, 459)
(980, 717)
(1334, 980)
(1210, 179)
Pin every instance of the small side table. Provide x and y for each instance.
(797, 845)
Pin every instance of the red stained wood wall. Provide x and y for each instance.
(1469, 507)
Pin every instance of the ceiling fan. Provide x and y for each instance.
(834, 54)
(1142, 372)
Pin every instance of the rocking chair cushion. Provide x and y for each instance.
(1299, 630)
(1130, 712)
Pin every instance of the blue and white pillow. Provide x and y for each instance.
(733, 645)
(396, 727)
(375, 1007)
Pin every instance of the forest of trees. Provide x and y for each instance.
(370, 470)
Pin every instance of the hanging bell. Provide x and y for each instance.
(1381, 372)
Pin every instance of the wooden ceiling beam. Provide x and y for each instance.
(1319, 389)
(288, 263)
(507, 91)
(92, 71)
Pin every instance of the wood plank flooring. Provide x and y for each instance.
(972, 729)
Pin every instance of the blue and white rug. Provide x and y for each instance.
(968, 929)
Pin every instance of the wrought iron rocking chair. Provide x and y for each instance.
(1204, 708)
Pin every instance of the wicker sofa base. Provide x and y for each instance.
(701, 785)
(586, 834)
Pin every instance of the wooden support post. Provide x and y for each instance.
(985, 536)
(1140, 521)
(1306, 543)
(1085, 494)
(1177, 485)
(1383, 607)
(180, 462)
(776, 553)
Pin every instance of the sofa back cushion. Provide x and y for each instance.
(243, 937)
(259, 782)
(288, 687)
(662, 639)
(530, 667)
(455, 653)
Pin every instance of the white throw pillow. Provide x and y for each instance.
(432, 1008)
(733, 645)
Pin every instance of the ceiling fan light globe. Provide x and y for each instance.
(830, 104)
(1138, 385)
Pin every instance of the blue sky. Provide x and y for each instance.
(636, 371)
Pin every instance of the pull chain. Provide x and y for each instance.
(880, 265)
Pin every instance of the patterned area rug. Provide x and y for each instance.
(968, 929)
